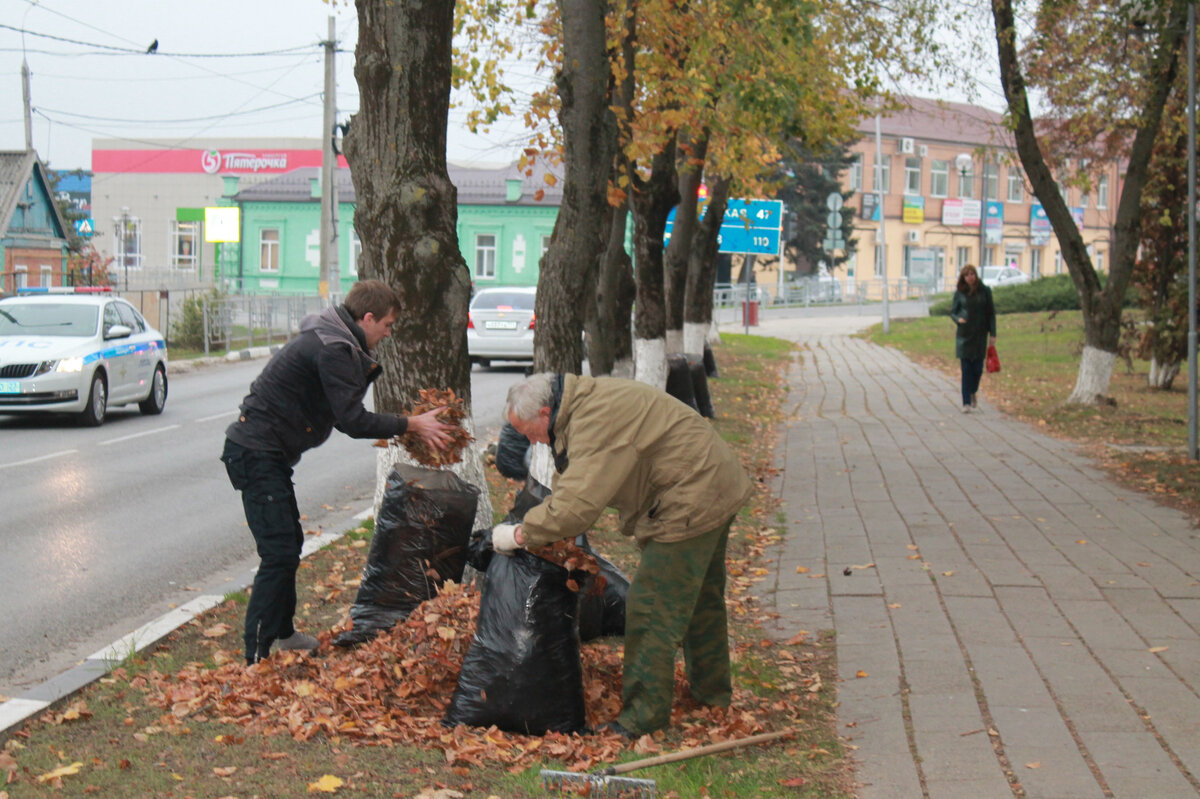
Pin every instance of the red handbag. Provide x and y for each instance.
(992, 364)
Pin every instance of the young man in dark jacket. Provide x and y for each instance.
(316, 382)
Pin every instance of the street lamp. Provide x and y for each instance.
(964, 162)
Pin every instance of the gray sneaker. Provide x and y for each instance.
(297, 640)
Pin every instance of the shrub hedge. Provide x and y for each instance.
(1053, 293)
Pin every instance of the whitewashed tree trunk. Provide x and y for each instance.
(675, 340)
(694, 334)
(623, 367)
(1095, 373)
(470, 469)
(714, 334)
(1162, 375)
(650, 361)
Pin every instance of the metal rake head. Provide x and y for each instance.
(570, 783)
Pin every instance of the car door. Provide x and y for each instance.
(141, 357)
(118, 357)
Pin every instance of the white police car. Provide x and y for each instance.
(78, 351)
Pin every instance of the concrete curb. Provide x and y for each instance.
(250, 354)
(100, 663)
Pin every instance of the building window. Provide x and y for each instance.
(1035, 263)
(1102, 192)
(268, 249)
(991, 181)
(856, 169)
(485, 255)
(185, 245)
(1058, 262)
(47, 277)
(128, 242)
(546, 243)
(1016, 185)
(355, 252)
(882, 182)
(912, 176)
(939, 178)
(964, 257)
(966, 182)
(21, 277)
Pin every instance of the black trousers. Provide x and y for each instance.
(972, 371)
(269, 499)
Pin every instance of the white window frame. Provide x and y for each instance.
(856, 172)
(355, 252)
(269, 250)
(184, 233)
(991, 181)
(1035, 263)
(939, 178)
(1016, 185)
(485, 256)
(128, 243)
(46, 276)
(963, 256)
(20, 276)
(1102, 191)
(885, 176)
(912, 176)
(966, 183)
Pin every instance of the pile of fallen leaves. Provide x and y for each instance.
(397, 687)
(453, 413)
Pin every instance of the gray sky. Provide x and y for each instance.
(91, 77)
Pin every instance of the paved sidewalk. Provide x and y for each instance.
(1013, 623)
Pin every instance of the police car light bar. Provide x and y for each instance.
(65, 290)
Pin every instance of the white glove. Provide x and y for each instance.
(504, 538)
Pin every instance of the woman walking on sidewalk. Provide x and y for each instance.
(974, 321)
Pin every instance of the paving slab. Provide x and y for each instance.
(1003, 631)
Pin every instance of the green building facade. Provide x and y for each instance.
(504, 226)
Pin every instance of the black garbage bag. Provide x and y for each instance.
(602, 612)
(700, 387)
(522, 672)
(512, 453)
(420, 542)
(710, 362)
(533, 493)
(679, 380)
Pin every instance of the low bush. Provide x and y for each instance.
(1053, 293)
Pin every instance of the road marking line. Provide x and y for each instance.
(138, 435)
(217, 416)
(39, 458)
(15, 711)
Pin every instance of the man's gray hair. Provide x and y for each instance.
(528, 397)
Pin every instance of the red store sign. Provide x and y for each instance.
(211, 162)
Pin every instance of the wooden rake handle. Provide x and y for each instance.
(699, 751)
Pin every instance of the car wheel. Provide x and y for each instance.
(97, 404)
(484, 363)
(153, 404)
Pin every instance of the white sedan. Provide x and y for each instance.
(78, 351)
(500, 324)
(1003, 276)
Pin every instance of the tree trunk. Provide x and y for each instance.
(702, 270)
(677, 258)
(407, 209)
(1101, 307)
(610, 338)
(653, 199)
(1162, 375)
(568, 269)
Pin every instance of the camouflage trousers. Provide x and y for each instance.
(677, 597)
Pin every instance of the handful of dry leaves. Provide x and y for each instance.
(452, 414)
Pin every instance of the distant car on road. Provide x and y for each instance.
(78, 351)
(1003, 276)
(500, 323)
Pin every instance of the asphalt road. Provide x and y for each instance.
(103, 529)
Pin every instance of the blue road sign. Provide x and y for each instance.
(749, 227)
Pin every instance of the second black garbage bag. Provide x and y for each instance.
(420, 542)
(522, 672)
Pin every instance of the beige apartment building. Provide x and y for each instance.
(954, 194)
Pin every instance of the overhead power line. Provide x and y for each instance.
(43, 110)
(113, 49)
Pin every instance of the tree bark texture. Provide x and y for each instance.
(1101, 307)
(653, 199)
(569, 267)
(677, 258)
(702, 267)
(610, 333)
(407, 208)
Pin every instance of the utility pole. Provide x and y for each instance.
(331, 276)
(28, 105)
